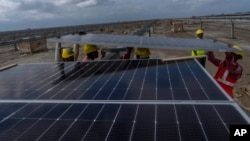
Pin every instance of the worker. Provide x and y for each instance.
(128, 53)
(67, 54)
(202, 60)
(229, 70)
(103, 53)
(142, 53)
(91, 52)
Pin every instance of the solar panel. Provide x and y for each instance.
(110, 80)
(114, 100)
(118, 122)
(143, 41)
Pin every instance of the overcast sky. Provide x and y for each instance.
(23, 14)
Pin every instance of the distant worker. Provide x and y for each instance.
(229, 70)
(199, 34)
(128, 53)
(103, 53)
(91, 52)
(67, 54)
(142, 53)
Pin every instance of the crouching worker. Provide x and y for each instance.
(229, 70)
(67, 54)
(142, 53)
(91, 52)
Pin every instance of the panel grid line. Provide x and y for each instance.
(87, 105)
(75, 79)
(207, 97)
(131, 134)
(197, 80)
(156, 94)
(37, 84)
(45, 115)
(122, 98)
(43, 72)
(68, 107)
(101, 107)
(175, 111)
(48, 90)
(200, 123)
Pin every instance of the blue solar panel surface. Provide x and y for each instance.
(33, 102)
(116, 122)
(110, 80)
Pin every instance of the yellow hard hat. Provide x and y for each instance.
(67, 52)
(88, 48)
(144, 52)
(199, 31)
(240, 52)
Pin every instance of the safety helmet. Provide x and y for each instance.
(88, 48)
(199, 31)
(142, 52)
(240, 52)
(67, 52)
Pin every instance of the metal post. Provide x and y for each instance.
(149, 32)
(201, 24)
(76, 51)
(58, 57)
(232, 30)
(16, 46)
(152, 29)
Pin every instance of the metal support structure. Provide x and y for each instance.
(152, 29)
(232, 30)
(58, 57)
(16, 46)
(76, 51)
(201, 26)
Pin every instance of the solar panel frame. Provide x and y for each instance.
(143, 41)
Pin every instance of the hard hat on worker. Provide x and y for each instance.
(199, 31)
(88, 48)
(240, 52)
(142, 52)
(67, 52)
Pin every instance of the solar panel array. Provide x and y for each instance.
(114, 100)
(143, 41)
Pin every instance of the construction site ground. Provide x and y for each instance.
(217, 31)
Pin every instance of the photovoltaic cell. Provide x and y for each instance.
(143, 41)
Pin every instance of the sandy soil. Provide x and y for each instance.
(218, 31)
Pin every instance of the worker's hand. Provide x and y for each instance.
(209, 52)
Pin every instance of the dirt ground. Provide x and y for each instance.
(218, 31)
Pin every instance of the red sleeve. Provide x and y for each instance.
(236, 72)
(212, 59)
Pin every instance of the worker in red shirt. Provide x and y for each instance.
(128, 53)
(229, 70)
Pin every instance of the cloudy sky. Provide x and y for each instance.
(23, 14)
